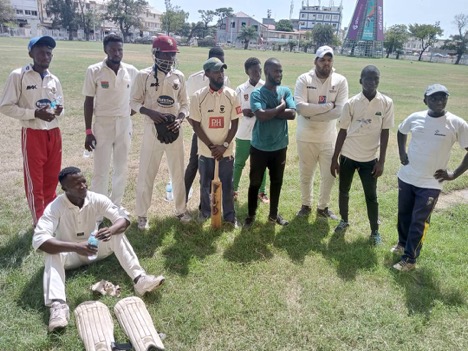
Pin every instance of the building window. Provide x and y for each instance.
(320, 17)
(283, 36)
(256, 27)
(335, 18)
(19, 12)
(27, 12)
(327, 17)
(34, 13)
(243, 24)
(303, 15)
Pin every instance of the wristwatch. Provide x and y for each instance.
(226, 144)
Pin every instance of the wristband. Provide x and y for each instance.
(89, 131)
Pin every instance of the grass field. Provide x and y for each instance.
(295, 288)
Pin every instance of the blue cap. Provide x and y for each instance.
(44, 40)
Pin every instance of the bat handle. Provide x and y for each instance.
(216, 170)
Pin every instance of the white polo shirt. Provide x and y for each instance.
(246, 124)
(316, 116)
(167, 95)
(215, 110)
(111, 91)
(364, 121)
(25, 92)
(66, 222)
(430, 145)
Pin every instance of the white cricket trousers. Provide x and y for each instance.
(309, 155)
(113, 141)
(55, 265)
(152, 150)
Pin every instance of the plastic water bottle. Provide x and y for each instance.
(93, 241)
(88, 154)
(169, 195)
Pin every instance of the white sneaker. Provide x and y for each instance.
(184, 218)
(148, 283)
(143, 223)
(59, 316)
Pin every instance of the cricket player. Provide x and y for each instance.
(34, 96)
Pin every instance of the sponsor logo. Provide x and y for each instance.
(43, 103)
(154, 85)
(221, 109)
(210, 111)
(311, 87)
(438, 133)
(31, 87)
(246, 97)
(79, 234)
(104, 84)
(378, 114)
(238, 110)
(364, 121)
(216, 122)
(322, 99)
(165, 100)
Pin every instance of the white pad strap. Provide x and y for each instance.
(95, 326)
(136, 321)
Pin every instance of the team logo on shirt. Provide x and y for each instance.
(322, 99)
(175, 86)
(246, 97)
(332, 90)
(104, 84)
(216, 122)
(221, 109)
(165, 101)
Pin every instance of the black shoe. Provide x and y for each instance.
(278, 220)
(304, 211)
(326, 213)
(249, 221)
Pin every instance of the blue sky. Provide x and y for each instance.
(395, 11)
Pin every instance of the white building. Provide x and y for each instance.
(309, 16)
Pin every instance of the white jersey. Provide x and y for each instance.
(246, 124)
(111, 92)
(67, 222)
(319, 105)
(26, 91)
(167, 94)
(430, 145)
(215, 110)
(364, 121)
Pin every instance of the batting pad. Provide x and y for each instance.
(95, 326)
(135, 320)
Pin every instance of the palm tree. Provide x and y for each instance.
(247, 34)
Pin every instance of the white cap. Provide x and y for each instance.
(323, 50)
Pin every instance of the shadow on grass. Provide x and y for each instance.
(300, 237)
(350, 257)
(15, 250)
(423, 290)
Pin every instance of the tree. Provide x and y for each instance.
(174, 18)
(284, 25)
(323, 34)
(459, 42)
(89, 18)
(426, 33)
(222, 13)
(207, 17)
(7, 13)
(247, 34)
(64, 15)
(190, 30)
(126, 14)
(395, 37)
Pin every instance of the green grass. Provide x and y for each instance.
(295, 288)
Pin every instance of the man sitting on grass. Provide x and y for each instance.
(62, 234)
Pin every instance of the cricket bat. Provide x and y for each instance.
(216, 197)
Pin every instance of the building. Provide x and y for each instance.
(27, 17)
(230, 27)
(151, 21)
(309, 16)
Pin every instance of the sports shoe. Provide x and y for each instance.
(143, 223)
(398, 250)
(326, 213)
(249, 221)
(147, 283)
(304, 211)
(59, 316)
(184, 217)
(341, 227)
(235, 223)
(375, 238)
(404, 266)
(264, 198)
(235, 195)
(278, 220)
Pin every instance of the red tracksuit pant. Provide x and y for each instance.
(42, 158)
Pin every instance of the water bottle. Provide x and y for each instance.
(93, 241)
(169, 196)
(88, 154)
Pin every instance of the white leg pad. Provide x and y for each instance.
(136, 321)
(95, 326)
